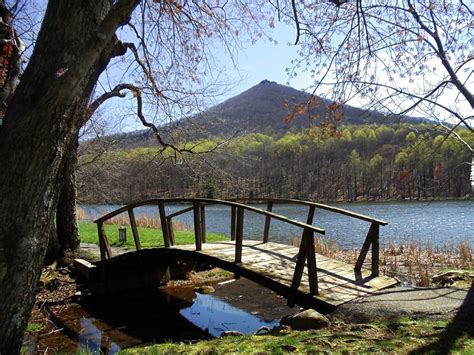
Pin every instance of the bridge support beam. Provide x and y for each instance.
(371, 239)
(197, 225)
(266, 230)
(239, 235)
(203, 222)
(233, 218)
(306, 256)
(164, 224)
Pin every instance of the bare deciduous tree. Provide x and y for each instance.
(405, 57)
(76, 43)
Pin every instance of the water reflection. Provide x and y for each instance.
(93, 340)
(216, 316)
(148, 316)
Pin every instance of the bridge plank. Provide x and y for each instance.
(337, 281)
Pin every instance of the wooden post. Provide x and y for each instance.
(308, 238)
(375, 251)
(233, 216)
(133, 225)
(203, 222)
(105, 252)
(299, 267)
(197, 226)
(309, 220)
(374, 229)
(305, 253)
(122, 237)
(266, 230)
(239, 235)
(171, 230)
(164, 224)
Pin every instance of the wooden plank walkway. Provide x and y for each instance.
(338, 282)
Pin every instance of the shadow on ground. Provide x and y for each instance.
(459, 330)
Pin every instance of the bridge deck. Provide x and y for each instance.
(338, 282)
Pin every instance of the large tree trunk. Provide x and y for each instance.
(39, 129)
(65, 232)
(66, 222)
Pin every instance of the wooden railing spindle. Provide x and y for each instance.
(171, 230)
(266, 230)
(239, 235)
(309, 219)
(203, 222)
(105, 252)
(375, 251)
(164, 224)
(308, 238)
(133, 225)
(233, 217)
(197, 225)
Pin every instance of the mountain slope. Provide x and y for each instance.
(259, 109)
(262, 107)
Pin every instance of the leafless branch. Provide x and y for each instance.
(297, 22)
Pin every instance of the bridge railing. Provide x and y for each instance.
(371, 239)
(306, 254)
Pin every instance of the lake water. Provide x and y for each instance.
(440, 224)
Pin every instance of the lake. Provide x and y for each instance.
(440, 224)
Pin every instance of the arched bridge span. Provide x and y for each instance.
(298, 273)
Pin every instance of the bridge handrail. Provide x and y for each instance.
(209, 201)
(317, 205)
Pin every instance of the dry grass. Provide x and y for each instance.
(417, 264)
(142, 221)
(412, 263)
(81, 214)
(147, 222)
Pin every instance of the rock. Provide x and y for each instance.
(262, 330)
(231, 333)
(308, 319)
(450, 277)
(205, 289)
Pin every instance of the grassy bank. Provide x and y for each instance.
(149, 237)
(395, 336)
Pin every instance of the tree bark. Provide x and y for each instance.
(66, 221)
(65, 232)
(39, 129)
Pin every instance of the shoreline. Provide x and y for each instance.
(358, 200)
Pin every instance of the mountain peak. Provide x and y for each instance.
(266, 82)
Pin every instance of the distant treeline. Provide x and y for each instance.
(361, 162)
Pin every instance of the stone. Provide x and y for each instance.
(205, 289)
(262, 330)
(306, 320)
(289, 348)
(450, 277)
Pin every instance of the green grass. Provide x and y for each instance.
(400, 336)
(149, 237)
(34, 327)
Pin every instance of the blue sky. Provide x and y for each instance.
(254, 63)
(265, 60)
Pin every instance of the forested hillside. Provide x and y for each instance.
(355, 162)
(263, 108)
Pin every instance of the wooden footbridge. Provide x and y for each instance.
(298, 273)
